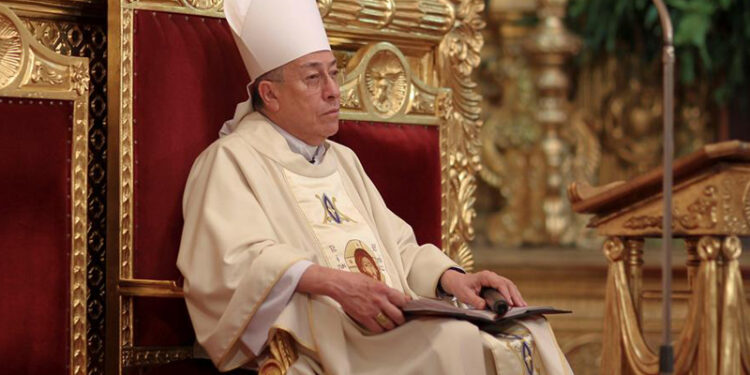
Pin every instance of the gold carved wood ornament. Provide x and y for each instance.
(710, 198)
(29, 70)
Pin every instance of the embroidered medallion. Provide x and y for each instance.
(345, 239)
(360, 259)
(330, 212)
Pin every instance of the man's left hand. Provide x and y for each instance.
(466, 287)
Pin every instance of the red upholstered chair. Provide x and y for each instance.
(175, 77)
(43, 159)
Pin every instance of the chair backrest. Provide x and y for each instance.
(43, 159)
(409, 111)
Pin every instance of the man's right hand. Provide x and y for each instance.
(362, 297)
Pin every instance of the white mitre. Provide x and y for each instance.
(269, 34)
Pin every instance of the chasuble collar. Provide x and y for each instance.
(260, 133)
(313, 154)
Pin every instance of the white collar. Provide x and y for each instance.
(313, 154)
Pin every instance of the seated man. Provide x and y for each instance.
(285, 231)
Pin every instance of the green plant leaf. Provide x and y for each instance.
(706, 7)
(687, 67)
(652, 16)
(692, 29)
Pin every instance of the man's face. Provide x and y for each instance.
(308, 98)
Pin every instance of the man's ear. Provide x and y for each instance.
(267, 93)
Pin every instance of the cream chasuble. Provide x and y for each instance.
(253, 208)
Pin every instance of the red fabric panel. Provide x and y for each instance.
(188, 79)
(34, 235)
(403, 162)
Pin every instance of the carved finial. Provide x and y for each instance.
(732, 247)
(613, 249)
(708, 248)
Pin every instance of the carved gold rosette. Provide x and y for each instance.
(403, 61)
(30, 70)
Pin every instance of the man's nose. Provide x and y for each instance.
(331, 89)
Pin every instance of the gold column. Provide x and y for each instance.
(512, 159)
(550, 46)
(634, 248)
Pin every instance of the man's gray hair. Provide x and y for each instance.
(275, 75)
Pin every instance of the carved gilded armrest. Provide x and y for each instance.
(283, 353)
(150, 288)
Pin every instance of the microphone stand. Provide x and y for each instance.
(666, 352)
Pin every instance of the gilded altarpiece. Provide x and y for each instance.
(532, 143)
(607, 127)
(609, 130)
(78, 28)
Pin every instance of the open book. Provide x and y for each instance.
(432, 307)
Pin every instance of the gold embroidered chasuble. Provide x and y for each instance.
(253, 208)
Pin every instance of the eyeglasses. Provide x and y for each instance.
(316, 80)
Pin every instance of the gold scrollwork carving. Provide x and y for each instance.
(735, 222)
(426, 17)
(198, 7)
(375, 14)
(11, 51)
(350, 99)
(44, 73)
(126, 173)
(126, 144)
(458, 56)
(701, 213)
(132, 357)
(422, 103)
(206, 4)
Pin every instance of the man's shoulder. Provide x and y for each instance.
(230, 143)
(228, 148)
(343, 151)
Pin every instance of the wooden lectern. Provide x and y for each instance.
(711, 209)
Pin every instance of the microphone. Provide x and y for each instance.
(495, 301)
